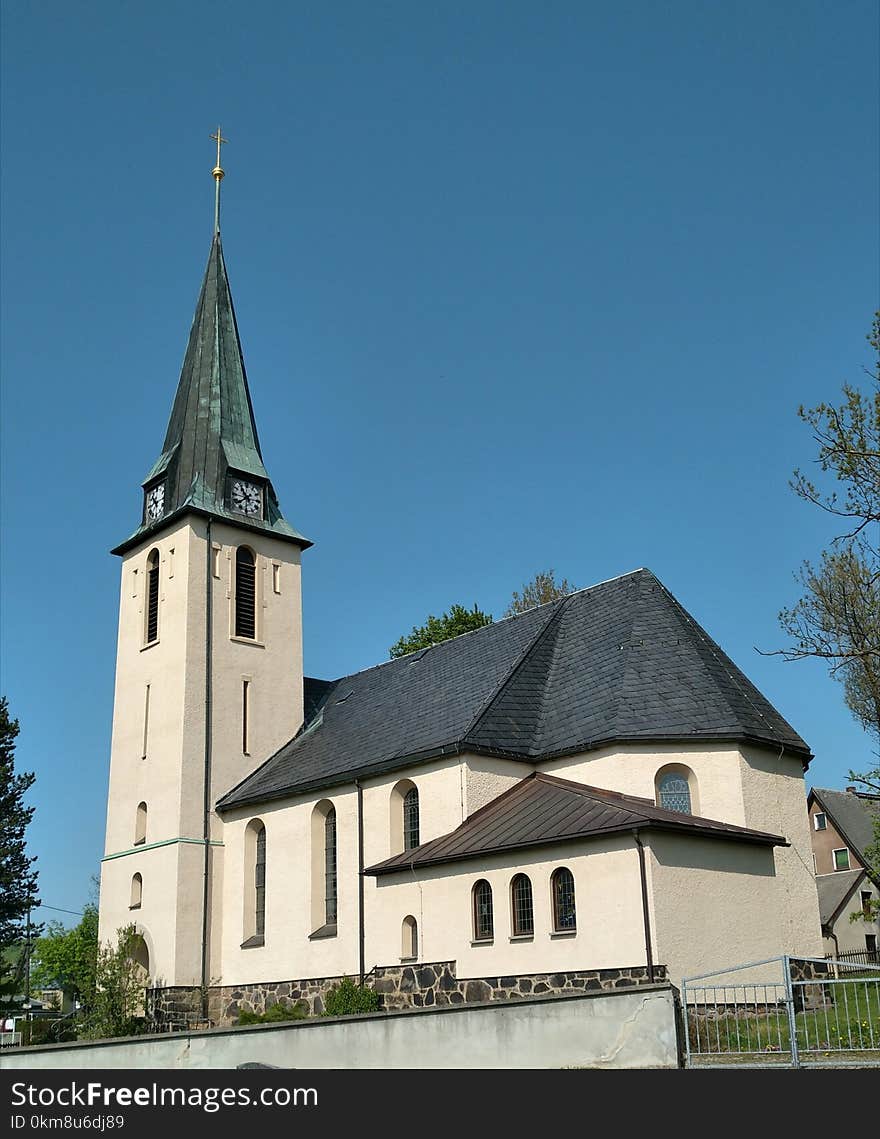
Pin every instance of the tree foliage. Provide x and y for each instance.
(117, 1007)
(68, 958)
(18, 878)
(542, 589)
(458, 620)
(837, 618)
(348, 998)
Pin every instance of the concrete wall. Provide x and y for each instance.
(624, 1029)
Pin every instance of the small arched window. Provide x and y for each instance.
(484, 922)
(151, 630)
(521, 906)
(245, 593)
(411, 819)
(409, 939)
(137, 892)
(673, 792)
(562, 889)
(140, 826)
(330, 867)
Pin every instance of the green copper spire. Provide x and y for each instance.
(211, 461)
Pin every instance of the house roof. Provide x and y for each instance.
(853, 814)
(212, 429)
(543, 809)
(621, 661)
(833, 890)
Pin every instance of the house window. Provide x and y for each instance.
(140, 826)
(484, 926)
(865, 898)
(819, 821)
(151, 632)
(841, 859)
(245, 593)
(411, 819)
(330, 908)
(562, 888)
(409, 939)
(254, 884)
(871, 946)
(521, 906)
(137, 892)
(674, 793)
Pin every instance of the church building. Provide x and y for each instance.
(587, 794)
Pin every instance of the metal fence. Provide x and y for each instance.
(794, 1012)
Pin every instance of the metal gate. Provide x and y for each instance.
(788, 1011)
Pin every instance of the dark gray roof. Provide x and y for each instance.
(212, 430)
(833, 891)
(852, 813)
(543, 809)
(620, 661)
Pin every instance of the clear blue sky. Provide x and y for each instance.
(519, 285)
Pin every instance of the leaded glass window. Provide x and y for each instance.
(260, 884)
(330, 867)
(484, 926)
(564, 914)
(521, 902)
(411, 819)
(674, 793)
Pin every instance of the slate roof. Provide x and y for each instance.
(833, 890)
(620, 661)
(852, 813)
(544, 809)
(212, 429)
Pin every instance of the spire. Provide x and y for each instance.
(211, 454)
(219, 174)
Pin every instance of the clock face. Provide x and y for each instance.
(156, 502)
(246, 498)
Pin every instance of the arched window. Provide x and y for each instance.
(521, 906)
(562, 889)
(673, 788)
(137, 892)
(140, 825)
(409, 939)
(330, 867)
(411, 819)
(254, 884)
(151, 630)
(245, 593)
(484, 924)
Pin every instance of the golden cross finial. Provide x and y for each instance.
(218, 173)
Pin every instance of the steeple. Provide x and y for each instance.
(211, 461)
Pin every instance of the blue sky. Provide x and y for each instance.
(519, 285)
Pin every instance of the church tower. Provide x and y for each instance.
(209, 675)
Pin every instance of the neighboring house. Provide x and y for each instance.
(590, 787)
(841, 828)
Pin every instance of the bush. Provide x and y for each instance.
(347, 998)
(274, 1013)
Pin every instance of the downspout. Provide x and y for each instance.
(206, 828)
(645, 914)
(361, 955)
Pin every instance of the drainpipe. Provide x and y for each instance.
(361, 955)
(645, 914)
(206, 827)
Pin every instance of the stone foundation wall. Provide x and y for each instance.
(398, 987)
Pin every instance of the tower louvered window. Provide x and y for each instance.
(153, 597)
(245, 594)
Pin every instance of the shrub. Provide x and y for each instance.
(278, 1011)
(347, 998)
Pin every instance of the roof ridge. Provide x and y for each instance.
(523, 657)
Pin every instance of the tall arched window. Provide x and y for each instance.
(484, 922)
(562, 889)
(521, 906)
(254, 884)
(674, 790)
(137, 892)
(151, 629)
(330, 867)
(411, 819)
(140, 825)
(409, 939)
(245, 593)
